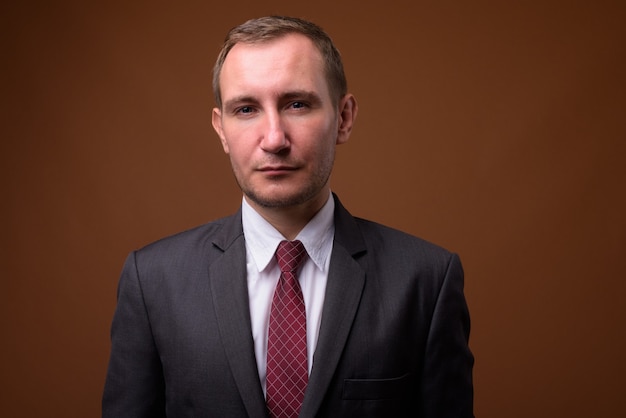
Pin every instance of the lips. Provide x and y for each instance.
(276, 170)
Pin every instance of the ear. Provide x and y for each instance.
(216, 120)
(348, 108)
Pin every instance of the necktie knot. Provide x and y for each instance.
(290, 255)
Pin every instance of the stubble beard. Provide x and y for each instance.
(299, 197)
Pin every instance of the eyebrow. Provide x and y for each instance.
(309, 96)
(238, 100)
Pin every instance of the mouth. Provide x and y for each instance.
(276, 170)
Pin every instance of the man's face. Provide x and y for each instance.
(278, 122)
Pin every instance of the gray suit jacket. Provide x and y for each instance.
(393, 340)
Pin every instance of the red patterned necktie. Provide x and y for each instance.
(287, 371)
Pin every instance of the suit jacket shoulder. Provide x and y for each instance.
(202, 239)
(383, 250)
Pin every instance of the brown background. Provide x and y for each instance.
(494, 130)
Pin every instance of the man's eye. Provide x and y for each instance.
(245, 110)
(298, 105)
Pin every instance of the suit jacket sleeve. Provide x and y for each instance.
(447, 376)
(135, 385)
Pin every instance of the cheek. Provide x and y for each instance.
(321, 152)
(320, 133)
(237, 154)
(237, 141)
(326, 139)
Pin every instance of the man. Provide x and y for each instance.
(379, 316)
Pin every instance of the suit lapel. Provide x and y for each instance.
(229, 290)
(346, 279)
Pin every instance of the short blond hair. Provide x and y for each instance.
(265, 29)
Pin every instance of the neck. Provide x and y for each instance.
(290, 220)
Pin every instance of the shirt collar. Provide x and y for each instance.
(262, 238)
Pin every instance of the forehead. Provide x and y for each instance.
(290, 61)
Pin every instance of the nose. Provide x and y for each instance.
(274, 136)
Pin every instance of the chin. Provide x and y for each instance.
(280, 199)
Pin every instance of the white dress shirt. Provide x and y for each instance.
(262, 239)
